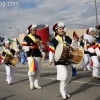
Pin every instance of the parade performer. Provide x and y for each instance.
(93, 51)
(8, 54)
(75, 45)
(86, 61)
(31, 45)
(64, 69)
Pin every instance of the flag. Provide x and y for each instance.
(2, 39)
(75, 35)
(98, 27)
(18, 44)
(17, 41)
(10, 40)
(1, 45)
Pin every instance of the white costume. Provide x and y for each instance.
(94, 56)
(33, 56)
(34, 77)
(86, 62)
(10, 70)
(64, 69)
(64, 74)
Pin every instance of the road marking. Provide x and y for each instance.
(49, 78)
(56, 79)
(85, 82)
(73, 81)
(15, 74)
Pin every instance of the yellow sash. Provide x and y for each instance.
(32, 37)
(61, 40)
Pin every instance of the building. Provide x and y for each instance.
(20, 38)
(69, 33)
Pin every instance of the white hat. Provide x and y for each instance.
(65, 29)
(6, 42)
(92, 29)
(61, 24)
(27, 31)
(32, 26)
(58, 25)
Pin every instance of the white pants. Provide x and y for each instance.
(64, 87)
(86, 61)
(64, 74)
(33, 78)
(95, 64)
(10, 73)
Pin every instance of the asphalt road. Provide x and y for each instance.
(82, 87)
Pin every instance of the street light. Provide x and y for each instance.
(91, 1)
(95, 12)
(17, 30)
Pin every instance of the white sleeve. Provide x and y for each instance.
(97, 51)
(26, 48)
(78, 44)
(91, 50)
(72, 43)
(51, 56)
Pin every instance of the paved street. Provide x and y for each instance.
(82, 87)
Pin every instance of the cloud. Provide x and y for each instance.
(49, 12)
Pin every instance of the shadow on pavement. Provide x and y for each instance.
(48, 74)
(21, 68)
(98, 98)
(6, 98)
(51, 83)
(82, 75)
(21, 81)
(85, 86)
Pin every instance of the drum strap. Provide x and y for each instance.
(60, 39)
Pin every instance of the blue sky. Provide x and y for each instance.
(49, 12)
(27, 5)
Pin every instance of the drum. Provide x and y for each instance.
(77, 55)
(12, 60)
(63, 52)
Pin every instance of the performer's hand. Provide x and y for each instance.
(50, 63)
